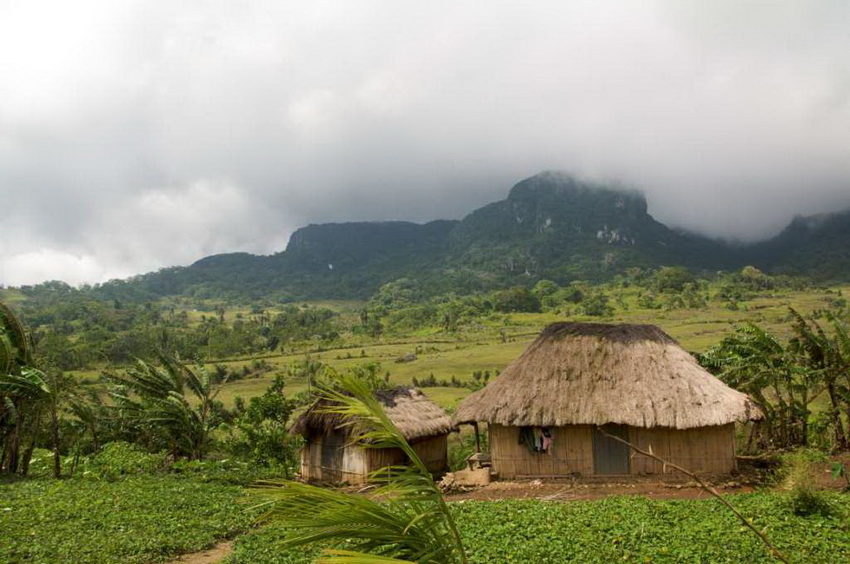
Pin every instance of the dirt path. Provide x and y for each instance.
(568, 491)
(209, 556)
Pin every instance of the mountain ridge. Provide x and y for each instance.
(552, 225)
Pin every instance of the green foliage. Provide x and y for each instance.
(119, 459)
(635, 529)
(397, 294)
(369, 373)
(672, 279)
(29, 398)
(596, 305)
(805, 497)
(516, 299)
(259, 433)
(229, 471)
(155, 402)
(136, 520)
(15, 347)
(840, 471)
(618, 529)
(784, 378)
(464, 447)
(41, 463)
(479, 380)
(265, 545)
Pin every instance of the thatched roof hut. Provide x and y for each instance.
(330, 455)
(593, 374)
(408, 408)
(582, 375)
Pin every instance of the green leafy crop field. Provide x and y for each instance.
(137, 519)
(619, 529)
(152, 518)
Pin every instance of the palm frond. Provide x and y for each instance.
(352, 557)
(403, 519)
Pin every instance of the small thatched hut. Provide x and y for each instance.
(331, 455)
(632, 381)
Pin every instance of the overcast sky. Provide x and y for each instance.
(141, 134)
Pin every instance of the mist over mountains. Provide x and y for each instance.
(551, 226)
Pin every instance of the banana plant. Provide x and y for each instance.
(158, 397)
(20, 393)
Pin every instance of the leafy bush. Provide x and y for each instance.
(516, 299)
(229, 471)
(259, 434)
(805, 497)
(122, 459)
(596, 305)
(463, 448)
(41, 464)
(806, 500)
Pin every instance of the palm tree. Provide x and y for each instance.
(403, 519)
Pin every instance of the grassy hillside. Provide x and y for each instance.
(493, 343)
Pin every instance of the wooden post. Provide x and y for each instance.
(477, 438)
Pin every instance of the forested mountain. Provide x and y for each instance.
(555, 226)
(816, 246)
(551, 225)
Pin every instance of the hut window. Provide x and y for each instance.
(536, 439)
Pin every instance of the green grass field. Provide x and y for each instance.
(496, 341)
(460, 354)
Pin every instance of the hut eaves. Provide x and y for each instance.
(409, 409)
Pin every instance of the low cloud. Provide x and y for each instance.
(136, 135)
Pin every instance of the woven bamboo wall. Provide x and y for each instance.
(358, 462)
(433, 451)
(353, 467)
(571, 453)
(709, 450)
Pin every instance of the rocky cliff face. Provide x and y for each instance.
(556, 226)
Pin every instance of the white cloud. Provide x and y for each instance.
(135, 135)
(43, 264)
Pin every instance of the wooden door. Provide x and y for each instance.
(333, 448)
(610, 456)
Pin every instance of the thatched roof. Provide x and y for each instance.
(593, 374)
(408, 408)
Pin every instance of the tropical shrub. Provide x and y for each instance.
(122, 459)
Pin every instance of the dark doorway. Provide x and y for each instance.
(610, 456)
(333, 447)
